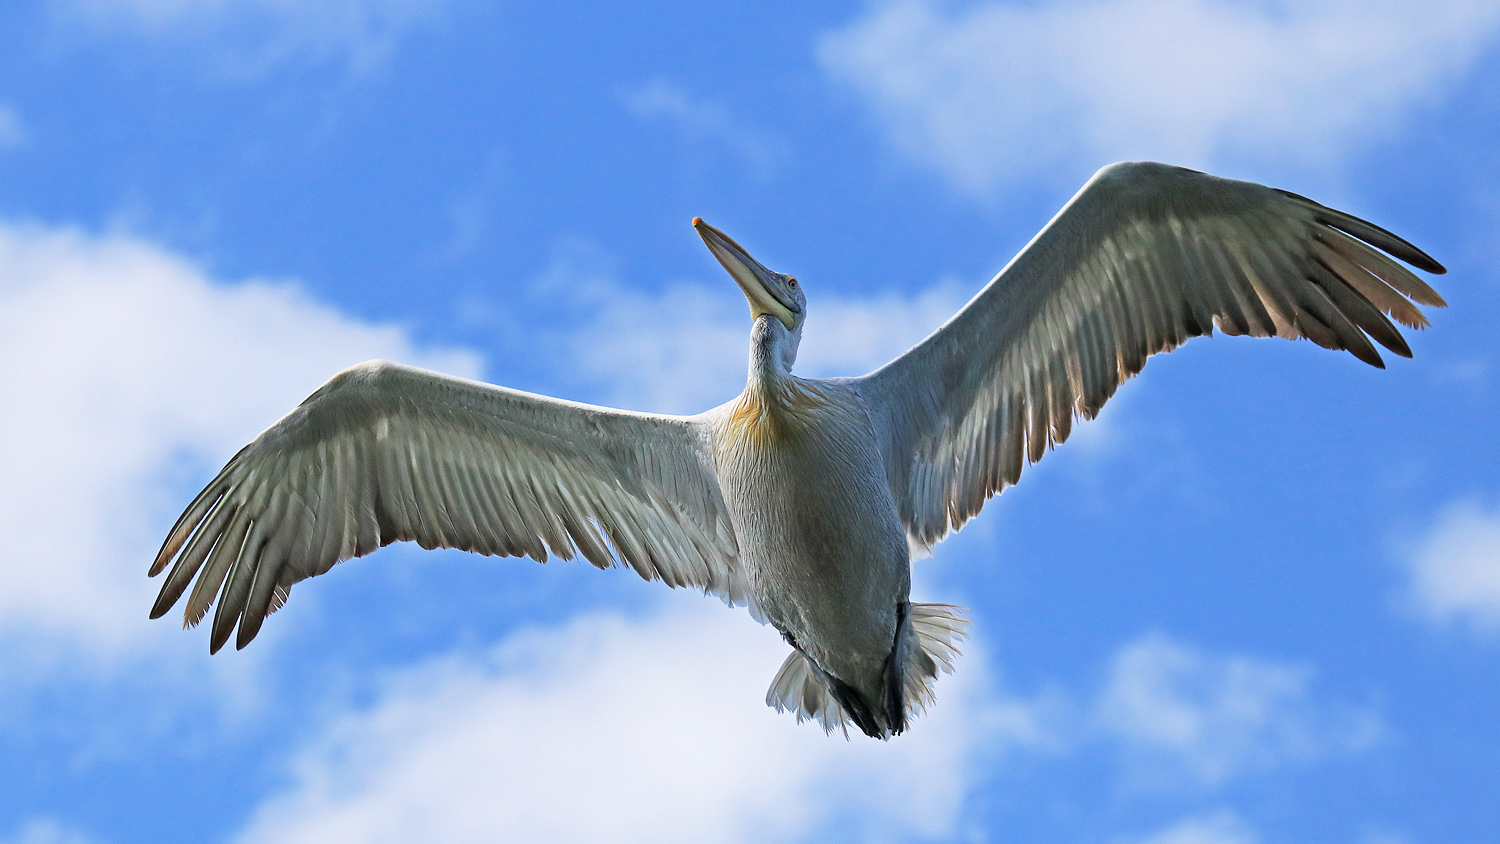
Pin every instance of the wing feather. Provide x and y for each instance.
(1144, 258)
(384, 453)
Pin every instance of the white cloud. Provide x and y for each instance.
(704, 120)
(654, 729)
(608, 730)
(127, 371)
(987, 92)
(1455, 569)
(248, 37)
(12, 130)
(1174, 709)
(1218, 828)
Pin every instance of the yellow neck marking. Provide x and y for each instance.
(767, 414)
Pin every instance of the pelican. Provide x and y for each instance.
(803, 499)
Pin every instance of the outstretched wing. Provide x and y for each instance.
(1143, 258)
(385, 452)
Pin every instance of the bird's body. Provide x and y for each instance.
(801, 497)
(820, 542)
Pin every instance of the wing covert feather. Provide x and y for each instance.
(384, 453)
(1143, 258)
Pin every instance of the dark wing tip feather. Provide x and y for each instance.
(249, 628)
(1371, 234)
(262, 595)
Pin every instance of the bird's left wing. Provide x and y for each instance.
(1145, 257)
(385, 452)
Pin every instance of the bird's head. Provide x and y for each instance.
(776, 296)
(770, 293)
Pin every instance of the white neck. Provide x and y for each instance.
(773, 350)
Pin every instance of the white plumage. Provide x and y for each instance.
(802, 497)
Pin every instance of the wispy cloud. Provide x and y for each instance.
(46, 831)
(12, 130)
(685, 349)
(1455, 570)
(854, 335)
(706, 121)
(988, 92)
(1177, 712)
(251, 37)
(1223, 827)
(128, 369)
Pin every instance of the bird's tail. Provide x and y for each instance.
(938, 629)
(926, 645)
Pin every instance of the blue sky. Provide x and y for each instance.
(1257, 601)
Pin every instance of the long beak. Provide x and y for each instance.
(759, 284)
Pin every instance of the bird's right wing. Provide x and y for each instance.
(1143, 258)
(385, 452)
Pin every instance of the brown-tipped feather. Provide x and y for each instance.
(229, 548)
(1360, 310)
(1380, 294)
(198, 548)
(1385, 269)
(183, 527)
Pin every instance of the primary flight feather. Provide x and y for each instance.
(802, 498)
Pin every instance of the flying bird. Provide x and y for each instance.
(803, 499)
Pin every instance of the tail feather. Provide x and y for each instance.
(928, 647)
(801, 688)
(938, 629)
